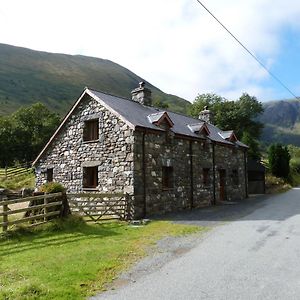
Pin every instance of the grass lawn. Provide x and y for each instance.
(72, 259)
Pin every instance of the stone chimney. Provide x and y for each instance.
(206, 115)
(142, 95)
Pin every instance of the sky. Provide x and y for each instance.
(175, 45)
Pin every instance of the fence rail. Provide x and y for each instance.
(100, 207)
(9, 172)
(39, 210)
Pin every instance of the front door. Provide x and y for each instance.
(222, 176)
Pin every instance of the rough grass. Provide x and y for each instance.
(71, 259)
(18, 182)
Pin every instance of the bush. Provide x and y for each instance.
(52, 187)
(279, 160)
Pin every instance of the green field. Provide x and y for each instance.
(72, 260)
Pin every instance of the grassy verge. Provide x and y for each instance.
(275, 185)
(71, 259)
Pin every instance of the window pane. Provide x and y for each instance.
(205, 176)
(235, 177)
(91, 130)
(90, 177)
(167, 177)
(49, 175)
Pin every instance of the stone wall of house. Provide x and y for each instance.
(203, 194)
(181, 154)
(160, 150)
(230, 159)
(112, 153)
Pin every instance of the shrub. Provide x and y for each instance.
(52, 187)
(279, 160)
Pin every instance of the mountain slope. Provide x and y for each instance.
(28, 76)
(282, 122)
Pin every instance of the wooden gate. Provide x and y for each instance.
(100, 207)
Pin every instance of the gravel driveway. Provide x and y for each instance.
(253, 256)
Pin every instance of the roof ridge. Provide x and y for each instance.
(158, 112)
(157, 108)
(106, 93)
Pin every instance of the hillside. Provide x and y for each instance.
(28, 76)
(282, 122)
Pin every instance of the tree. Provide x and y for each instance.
(240, 116)
(24, 133)
(160, 104)
(34, 125)
(7, 142)
(249, 108)
(213, 101)
(253, 144)
(279, 160)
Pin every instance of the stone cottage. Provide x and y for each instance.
(165, 160)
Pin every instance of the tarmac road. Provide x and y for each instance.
(256, 256)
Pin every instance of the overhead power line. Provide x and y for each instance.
(247, 50)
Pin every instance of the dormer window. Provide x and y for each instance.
(161, 119)
(228, 136)
(199, 128)
(91, 130)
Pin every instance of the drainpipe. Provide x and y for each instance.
(214, 173)
(191, 175)
(246, 173)
(144, 174)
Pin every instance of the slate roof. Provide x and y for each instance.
(137, 114)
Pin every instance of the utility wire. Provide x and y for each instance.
(248, 51)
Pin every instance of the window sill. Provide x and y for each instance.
(89, 142)
(90, 189)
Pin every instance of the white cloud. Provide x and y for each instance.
(175, 45)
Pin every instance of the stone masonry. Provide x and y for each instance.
(112, 153)
(186, 192)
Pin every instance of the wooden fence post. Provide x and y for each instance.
(65, 208)
(45, 209)
(5, 217)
